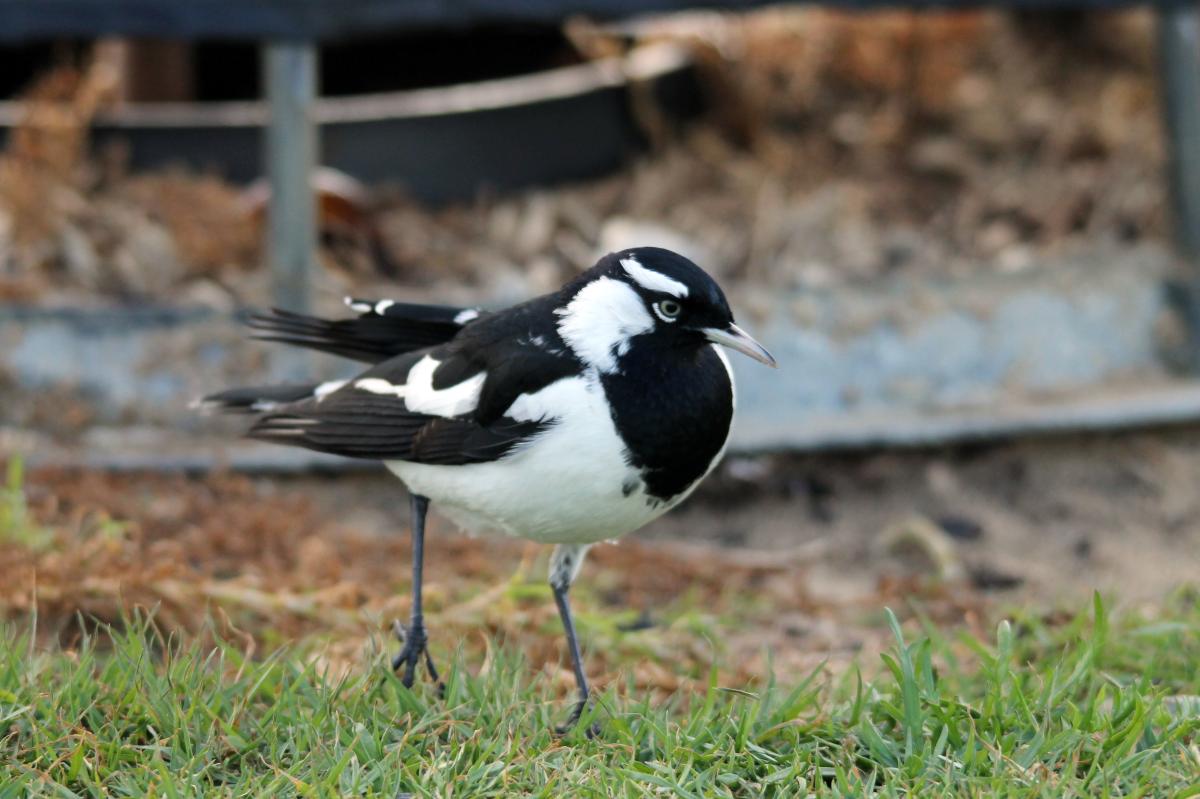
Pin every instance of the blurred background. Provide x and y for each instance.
(967, 235)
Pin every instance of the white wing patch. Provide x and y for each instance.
(419, 394)
(469, 315)
(601, 319)
(325, 389)
(382, 306)
(654, 281)
(377, 385)
(356, 305)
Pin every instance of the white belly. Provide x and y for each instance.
(571, 484)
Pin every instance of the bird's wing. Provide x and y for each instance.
(393, 412)
(358, 425)
(418, 407)
(383, 329)
(509, 353)
(448, 404)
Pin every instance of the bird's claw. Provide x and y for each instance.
(414, 646)
(593, 729)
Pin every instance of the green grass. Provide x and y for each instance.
(16, 526)
(1083, 708)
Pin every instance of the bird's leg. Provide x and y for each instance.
(413, 637)
(564, 565)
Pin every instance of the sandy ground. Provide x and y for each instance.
(1038, 521)
(1049, 520)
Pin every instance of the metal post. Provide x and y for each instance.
(290, 154)
(1179, 54)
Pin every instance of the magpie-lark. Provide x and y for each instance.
(575, 417)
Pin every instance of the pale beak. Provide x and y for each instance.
(735, 338)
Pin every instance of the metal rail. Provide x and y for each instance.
(1166, 406)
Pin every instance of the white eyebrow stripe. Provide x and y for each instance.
(649, 279)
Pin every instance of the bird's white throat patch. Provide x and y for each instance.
(654, 281)
(600, 320)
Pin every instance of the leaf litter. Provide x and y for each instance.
(838, 148)
(276, 565)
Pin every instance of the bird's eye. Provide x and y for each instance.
(668, 310)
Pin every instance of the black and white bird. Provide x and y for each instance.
(573, 418)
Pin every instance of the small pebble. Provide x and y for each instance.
(961, 528)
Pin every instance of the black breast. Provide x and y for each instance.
(672, 412)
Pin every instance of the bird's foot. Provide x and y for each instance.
(414, 647)
(593, 729)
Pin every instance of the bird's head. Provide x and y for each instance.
(648, 291)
